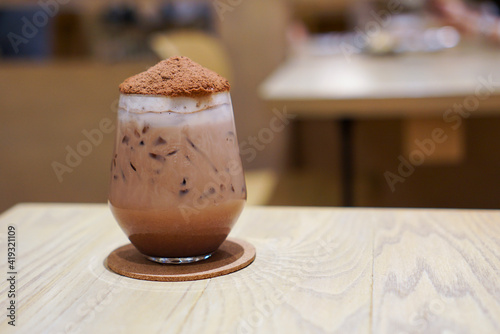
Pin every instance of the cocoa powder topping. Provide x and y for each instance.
(176, 76)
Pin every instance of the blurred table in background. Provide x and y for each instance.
(408, 86)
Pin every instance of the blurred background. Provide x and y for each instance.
(314, 83)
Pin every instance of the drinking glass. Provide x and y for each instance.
(177, 183)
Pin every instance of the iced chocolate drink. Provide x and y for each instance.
(177, 185)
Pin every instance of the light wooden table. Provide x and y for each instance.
(384, 87)
(316, 271)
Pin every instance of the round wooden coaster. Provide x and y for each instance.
(232, 255)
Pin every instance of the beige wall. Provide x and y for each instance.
(44, 108)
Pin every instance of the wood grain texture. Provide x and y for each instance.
(437, 272)
(312, 273)
(432, 271)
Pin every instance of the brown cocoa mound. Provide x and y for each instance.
(176, 76)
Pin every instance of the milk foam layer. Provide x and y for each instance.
(193, 111)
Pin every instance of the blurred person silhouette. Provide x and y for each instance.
(473, 19)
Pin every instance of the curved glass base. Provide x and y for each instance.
(179, 260)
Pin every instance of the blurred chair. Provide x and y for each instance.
(261, 185)
(201, 47)
(209, 52)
